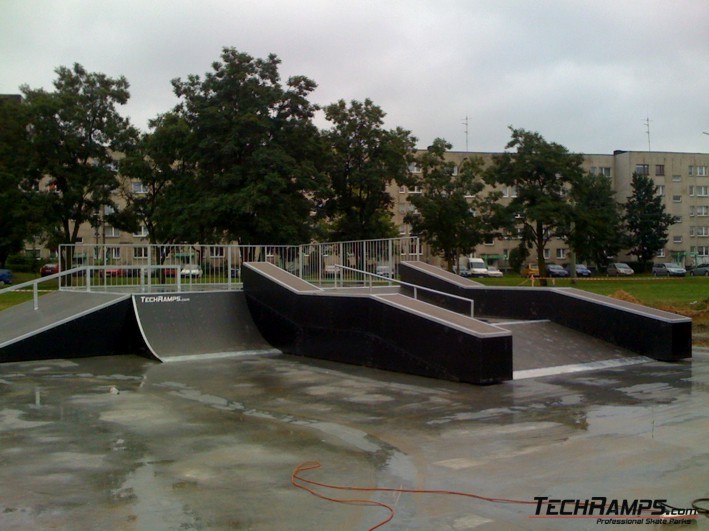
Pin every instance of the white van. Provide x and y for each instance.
(477, 267)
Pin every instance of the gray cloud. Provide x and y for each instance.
(583, 73)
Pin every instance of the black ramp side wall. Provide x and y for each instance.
(637, 331)
(109, 331)
(365, 331)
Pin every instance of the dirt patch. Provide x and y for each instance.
(624, 296)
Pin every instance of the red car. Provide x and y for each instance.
(49, 269)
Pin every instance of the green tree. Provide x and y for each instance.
(159, 185)
(646, 220)
(451, 216)
(363, 159)
(18, 212)
(255, 150)
(597, 230)
(75, 132)
(542, 173)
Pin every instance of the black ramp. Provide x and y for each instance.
(187, 325)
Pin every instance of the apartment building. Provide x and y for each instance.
(682, 179)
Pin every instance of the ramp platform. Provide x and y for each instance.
(183, 326)
(67, 324)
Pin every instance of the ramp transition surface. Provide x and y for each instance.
(21, 321)
(198, 325)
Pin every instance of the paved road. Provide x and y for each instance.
(127, 443)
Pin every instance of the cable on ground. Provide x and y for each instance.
(302, 483)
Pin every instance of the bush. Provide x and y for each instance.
(22, 263)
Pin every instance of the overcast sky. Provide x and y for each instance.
(585, 74)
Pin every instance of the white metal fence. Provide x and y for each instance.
(117, 267)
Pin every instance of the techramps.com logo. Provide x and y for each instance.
(163, 298)
(610, 511)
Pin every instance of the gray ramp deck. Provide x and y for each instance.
(198, 325)
(21, 321)
(545, 345)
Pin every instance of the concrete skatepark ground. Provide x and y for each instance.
(127, 443)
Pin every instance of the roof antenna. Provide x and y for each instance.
(647, 125)
(465, 123)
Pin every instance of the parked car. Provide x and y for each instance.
(702, 270)
(191, 271)
(555, 270)
(384, 271)
(114, 272)
(530, 270)
(49, 269)
(581, 270)
(477, 267)
(619, 269)
(5, 276)
(331, 270)
(492, 271)
(668, 270)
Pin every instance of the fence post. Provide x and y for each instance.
(87, 275)
(35, 295)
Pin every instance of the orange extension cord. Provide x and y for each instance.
(302, 483)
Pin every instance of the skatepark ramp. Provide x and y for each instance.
(388, 331)
(636, 328)
(186, 326)
(68, 325)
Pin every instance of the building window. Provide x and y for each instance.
(660, 189)
(414, 190)
(701, 210)
(402, 189)
(605, 171)
(698, 171)
(139, 188)
(142, 232)
(701, 191)
(547, 253)
(642, 169)
(509, 191)
(676, 178)
(414, 168)
(660, 170)
(701, 250)
(402, 230)
(113, 253)
(661, 253)
(140, 253)
(676, 198)
(702, 232)
(560, 254)
(678, 220)
(217, 251)
(112, 232)
(676, 239)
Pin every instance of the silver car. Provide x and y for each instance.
(619, 269)
(668, 270)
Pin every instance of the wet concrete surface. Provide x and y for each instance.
(128, 443)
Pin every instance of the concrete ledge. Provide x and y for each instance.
(388, 331)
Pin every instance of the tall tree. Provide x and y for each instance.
(18, 208)
(75, 131)
(542, 173)
(597, 230)
(646, 220)
(255, 148)
(159, 186)
(451, 215)
(363, 159)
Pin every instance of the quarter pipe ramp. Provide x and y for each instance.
(186, 326)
